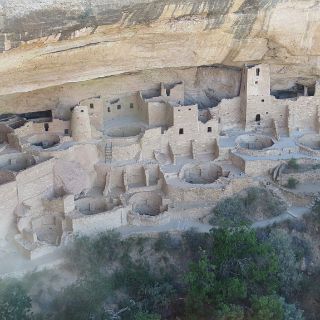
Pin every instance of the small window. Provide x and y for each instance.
(258, 117)
(189, 109)
(180, 131)
(109, 109)
(119, 106)
(131, 105)
(168, 92)
(219, 120)
(256, 82)
(82, 110)
(91, 106)
(257, 72)
(267, 112)
(46, 126)
(179, 110)
(209, 129)
(262, 100)
(66, 131)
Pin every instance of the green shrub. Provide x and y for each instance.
(292, 183)
(146, 316)
(267, 308)
(238, 268)
(230, 212)
(239, 210)
(15, 304)
(288, 273)
(291, 312)
(316, 207)
(83, 300)
(165, 242)
(88, 255)
(230, 312)
(293, 164)
(194, 242)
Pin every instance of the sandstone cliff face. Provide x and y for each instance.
(48, 43)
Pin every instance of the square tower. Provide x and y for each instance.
(255, 95)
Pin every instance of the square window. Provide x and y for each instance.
(66, 131)
(91, 106)
(262, 100)
(209, 129)
(131, 105)
(109, 109)
(118, 106)
(256, 82)
(180, 131)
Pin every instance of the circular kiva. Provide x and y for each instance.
(254, 142)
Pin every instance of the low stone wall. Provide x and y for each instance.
(308, 151)
(259, 167)
(92, 224)
(35, 181)
(307, 176)
(136, 219)
(127, 152)
(9, 201)
(222, 188)
(124, 141)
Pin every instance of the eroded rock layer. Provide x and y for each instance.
(49, 43)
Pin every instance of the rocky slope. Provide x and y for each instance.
(47, 43)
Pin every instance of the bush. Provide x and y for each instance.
(291, 312)
(293, 164)
(15, 304)
(88, 255)
(292, 183)
(166, 242)
(230, 212)
(316, 207)
(146, 316)
(267, 308)
(236, 211)
(194, 242)
(288, 273)
(82, 300)
(239, 267)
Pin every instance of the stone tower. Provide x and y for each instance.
(255, 95)
(80, 124)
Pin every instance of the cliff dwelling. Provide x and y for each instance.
(143, 159)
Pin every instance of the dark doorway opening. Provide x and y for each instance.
(258, 117)
(38, 116)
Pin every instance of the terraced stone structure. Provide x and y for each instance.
(144, 158)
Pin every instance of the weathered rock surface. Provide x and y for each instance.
(52, 42)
